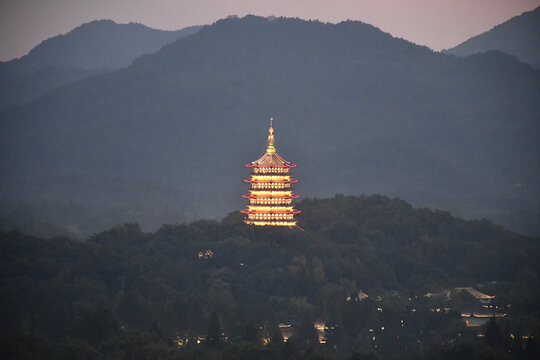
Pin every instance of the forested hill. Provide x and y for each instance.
(359, 111)
(518, 36)
(125, 291)
(95, 47)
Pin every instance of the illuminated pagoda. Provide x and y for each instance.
(270, 193)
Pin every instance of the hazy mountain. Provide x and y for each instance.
(359, 111)
(519, 36)
(91, 48)
(98, 44)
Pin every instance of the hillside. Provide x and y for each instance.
(91, 48)
(124, 288)
(518, 36)
(360, 112)
(96, 45)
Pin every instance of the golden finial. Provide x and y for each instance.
(270, 149)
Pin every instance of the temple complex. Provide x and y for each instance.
(270, 193)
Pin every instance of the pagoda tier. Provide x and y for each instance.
(270, 193)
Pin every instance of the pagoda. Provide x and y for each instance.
(270, 193)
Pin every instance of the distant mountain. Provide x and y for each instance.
(360, 112)
(91, 48)
(519, 36)
(96, 45)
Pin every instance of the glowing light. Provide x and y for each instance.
(207, 254)
(270, 223)
(270, 195)
(181, 341)
(271, 177)
(271, 208)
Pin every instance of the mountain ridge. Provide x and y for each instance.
(92, 48)
(518, 36)
(358, 110)
(105, 33)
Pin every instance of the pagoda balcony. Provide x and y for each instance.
(253, 196)
(272, 180)
(270, 197)
(273, 201)
(268, 170)
(271, 223)
(269, 210)
(271, 186)
(271, 183)
(271, 216)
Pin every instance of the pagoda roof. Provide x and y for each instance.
(270, 158)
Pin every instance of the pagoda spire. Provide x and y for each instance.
(270, 149)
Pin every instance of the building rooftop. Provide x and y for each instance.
(270, 158)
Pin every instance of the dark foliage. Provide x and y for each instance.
(252, 332)
(126, 294)
(494, 335)
(307, 334)
(214, 338)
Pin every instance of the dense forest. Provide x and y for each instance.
(364, 268)
(359, 111)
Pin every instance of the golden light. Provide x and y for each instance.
(270, 195)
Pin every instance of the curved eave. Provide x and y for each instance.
(289, 165)
(248, 211)
(290, 181)
(279, 162)
(250, 196)
(289, 224)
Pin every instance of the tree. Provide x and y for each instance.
(363, 356)
(531, 349)
(251, 332)
(289, 351)
(494, 334)
(307, 334)
(333, 332)
(516, 348)
(96, 325)
(215, 332)
(277, 338)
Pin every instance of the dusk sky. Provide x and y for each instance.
(438, 24)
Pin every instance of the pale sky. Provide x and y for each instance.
(438, 24)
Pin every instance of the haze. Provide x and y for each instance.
(437, 24)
